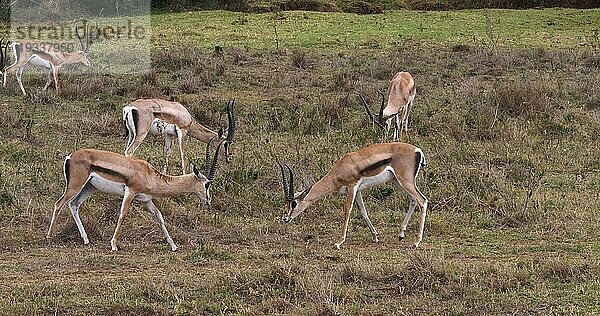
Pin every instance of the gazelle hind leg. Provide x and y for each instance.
(419, 199)
(411, 209)
(74, 205)
(365, 215)
(137, 141)
(161, 221)
(74, 188)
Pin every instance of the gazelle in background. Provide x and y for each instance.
(172, 119)
(88, 170)
(47, 57)
(401, 94)
(3, 52)
(359, 170)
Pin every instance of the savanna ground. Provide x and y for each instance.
(507, 113)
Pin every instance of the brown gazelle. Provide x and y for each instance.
(47, 57)
(401, 94)
(359, 170)
(140, 118)
(88, 170)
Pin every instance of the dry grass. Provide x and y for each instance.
(510, 138)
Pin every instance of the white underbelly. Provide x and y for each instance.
(105, 185)
(35, 60)
(386, 175)
(160, 127)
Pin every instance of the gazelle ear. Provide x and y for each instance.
(305, 192)
(196, 172)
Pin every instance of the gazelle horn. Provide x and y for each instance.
(207, 161)
(230, 121)
(371, 116)
(213, 167)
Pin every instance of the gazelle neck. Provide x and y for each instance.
(173, 185)
(321, 189)
(201, 133)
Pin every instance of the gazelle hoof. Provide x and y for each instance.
(375, 239)
(337, 246)
(416, 245)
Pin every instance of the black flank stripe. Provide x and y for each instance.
(113, 173)
(376, 165)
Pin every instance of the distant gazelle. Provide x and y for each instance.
(88, 170)
(156, 116)
(3, 52)
(46, 56)
(401, 94)
(359, 170)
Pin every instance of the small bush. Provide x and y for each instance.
(363, 7)
(309, 5)
(299, 59)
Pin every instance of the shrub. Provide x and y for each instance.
(363, 7)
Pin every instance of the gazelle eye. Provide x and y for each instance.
(294, 204)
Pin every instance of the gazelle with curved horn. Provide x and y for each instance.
(88, 170)
(47, 57)
(172, 119)
(359, 170)
(401, 94)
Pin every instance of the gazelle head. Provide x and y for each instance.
(202, 186)
(228, 139)
(380, 120)
(82, 55)
(294, 201)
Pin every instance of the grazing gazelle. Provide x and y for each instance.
(88, 170)
(359, 170)
(140, 118)
(401, 94)
(47, 57)
(3, 52)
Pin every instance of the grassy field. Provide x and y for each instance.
(507, 113)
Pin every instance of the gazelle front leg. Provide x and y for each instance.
(180, 138)
(347, 210)
(363, 211)
(397, 130)
(19, 75)
(168, 143)
(125, 205)
(161, 221)
(406, 114)
(87, 190)
(47, 79)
